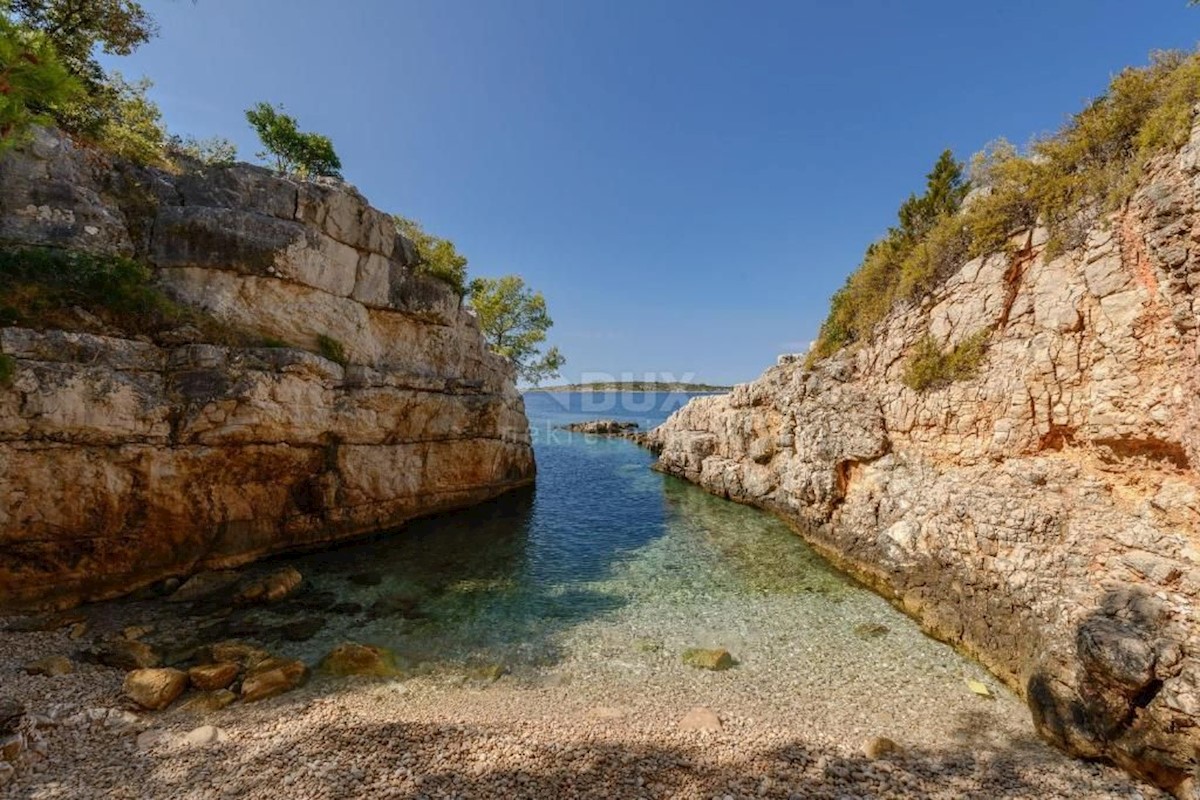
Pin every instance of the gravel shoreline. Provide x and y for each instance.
(573, 730)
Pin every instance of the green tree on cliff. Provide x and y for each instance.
(295, 152)
(435, 256)
(33, 82)
(77, 28)
(514, 321)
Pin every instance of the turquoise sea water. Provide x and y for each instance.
(605, 569)
(599, 536)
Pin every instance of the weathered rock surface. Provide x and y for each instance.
(273, 677)
(350, 658)
(123, 461)
(213, 677)
(1045, 515)
(155, 689)
(605, 427)
(714, 660)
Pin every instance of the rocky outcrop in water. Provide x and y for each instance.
(126, 459)
(1044, 515)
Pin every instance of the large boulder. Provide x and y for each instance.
(155, 689)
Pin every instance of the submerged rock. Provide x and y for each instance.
(270, 588)
(360, 659)
(203, 586)
(716, 660)
(871, 630)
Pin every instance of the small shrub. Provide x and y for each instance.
(133, 127)
(332, 349)
(272, 342)
(8, 366)
(930, 368)
(43, 287)
(215, 151)
(436, 257)
(294, 151)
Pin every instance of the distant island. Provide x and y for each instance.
(633, 386)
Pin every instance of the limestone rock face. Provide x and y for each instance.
(125, 461)
(1045, 515)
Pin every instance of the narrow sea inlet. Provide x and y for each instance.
(540, 645)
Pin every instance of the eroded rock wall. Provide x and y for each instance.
(126, 460)
(1045, 515)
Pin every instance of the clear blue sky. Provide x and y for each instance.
(686, 181)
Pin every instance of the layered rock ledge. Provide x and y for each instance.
(125, 460)
(1045, 515)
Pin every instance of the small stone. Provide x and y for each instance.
(51, 667)
(978, 688)
(78, 630)
(11, 747)
(203, 585)
(272, 588)
(700, 719)
(47, 622)
(241, 653)
(155, 689)
(147, 740)
(871, 630)
(11, 712)
(359, 659)
(716, 660)
(211, 677)
(124, 654)
(7, 771)
(136, 632)
(205, 735)
(879, 746)
(273, 677)
(301, 630)
(209, 702)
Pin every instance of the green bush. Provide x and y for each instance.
(332, 349)
(295, 152)
(8, 365)
(43, 288)
(1090, 167)
(35, 83)
(435, 256)
(930, 368)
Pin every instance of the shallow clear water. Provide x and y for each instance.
(605, 568)
(600, 537)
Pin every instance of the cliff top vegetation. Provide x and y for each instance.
(1066, 181)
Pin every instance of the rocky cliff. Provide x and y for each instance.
(126, 459)
(1044, 515)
